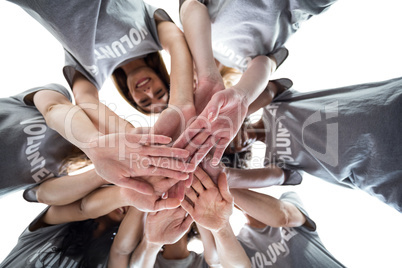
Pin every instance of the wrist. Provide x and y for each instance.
(151, 245)
(224, 231)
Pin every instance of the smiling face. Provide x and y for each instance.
(148, 90)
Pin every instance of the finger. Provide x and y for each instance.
(139, 186)
(148, 139)
(164, 151)
(191, 194)
(224, 188)
(187, 206)
(189, 181)
(197, 126)
(185, 225)
(204, 178)
(158, 171)
(170, 163)
(219, 150)
(212, 109)
(202, 152)
(168, 203)
(197, 186)
(178, 190)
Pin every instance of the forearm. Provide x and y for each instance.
(254, 178)
(267, 209)
(102, 201)
(128, 236)
(98, 203)
(145, 255)
(181, 74)
(255, 79)
(87, 98)
(264, 99)
(231, 253)
(102, 117)
(210, 252)
(67, 189)
(197, 30)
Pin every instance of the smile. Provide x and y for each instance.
(143, 82)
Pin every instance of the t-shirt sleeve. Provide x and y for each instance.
(26, 97)
(293, 198)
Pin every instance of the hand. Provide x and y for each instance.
(205, 89)
(216, 125)
(167, 226)
(174, 120)
(212, 171)
(208, 205)
(121, 157)
(160, 184)
(147, 203)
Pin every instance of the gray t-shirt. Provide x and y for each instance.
(30, 151)
(244, 29)
(98, 35)
(193, 260)
(348, 136)
(39, 249)
(284, 247)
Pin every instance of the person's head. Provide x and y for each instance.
(147, 87)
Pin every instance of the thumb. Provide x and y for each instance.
(213, 108)
(224, 187)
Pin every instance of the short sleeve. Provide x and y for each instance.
(293, 198)
(26, 97)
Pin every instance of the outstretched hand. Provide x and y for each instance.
(167, 226)
(148, 203)
(120, 157)
(205, 89)
(209, 205)
(215, 126)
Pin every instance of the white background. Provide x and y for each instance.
(355, 41)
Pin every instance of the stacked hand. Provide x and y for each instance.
(167, 226)
(216, 126)
(120, 158)
(209, 205)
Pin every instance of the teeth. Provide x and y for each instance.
(143, 83)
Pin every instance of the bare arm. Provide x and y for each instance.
(210, 252)
(86, 96)
(67, 189)
(117, 157)
(267, 209)
(212, 209)
(127, 238)
(145, 254)
(245, 178)
(181, 74)
(104, 200)
(255, 178)
(197, 30)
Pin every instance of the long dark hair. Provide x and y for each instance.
(78, 243)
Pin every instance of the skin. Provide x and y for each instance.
(145, 86)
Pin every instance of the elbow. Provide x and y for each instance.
(188, 6)
(45, 198)
(283, 220)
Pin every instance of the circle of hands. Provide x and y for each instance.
(172, 170)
